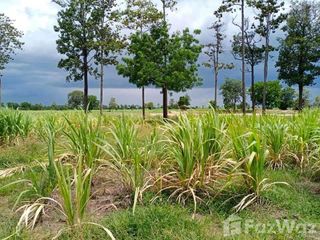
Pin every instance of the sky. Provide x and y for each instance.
(33, 76)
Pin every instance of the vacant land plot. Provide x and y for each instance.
(68, 175)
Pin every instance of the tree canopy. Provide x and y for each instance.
(299, 55)
(81, 36)
(231, 92)
(10, 41)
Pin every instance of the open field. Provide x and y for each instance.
(74, 176)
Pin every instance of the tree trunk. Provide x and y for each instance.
(165, 102)
(215, 88)
(85, 79)
(143, 105)
(243, 59)
(300, 107)
(164, 88)
(266, 61)
(101, 64)
(101, 83)
(252, 89)
(216, 72)
(0, 92)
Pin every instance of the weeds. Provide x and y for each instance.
(13, 124)
(194, 146)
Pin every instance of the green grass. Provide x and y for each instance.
(153, 222)
(24, 153)
(164, 218)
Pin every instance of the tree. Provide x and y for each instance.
(109, 41)
(172, 103)
(75, 99)
(93, 102)
(316, 102)
(13, 105)
(231, 92)
(81, 37)
(214, 50)
(149, 105)
(139, 16)
(305, 100)
(299, 55)
(231, 6)
(113, 104)
(168, 61)
(287, 98)
(25, 106)
(273, 96)
(253, 54)
(184, 102)
(269, 18)
(9, 43)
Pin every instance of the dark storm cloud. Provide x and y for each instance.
(33, 76)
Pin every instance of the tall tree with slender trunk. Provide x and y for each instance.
(109, 42)
(232, 6)
(80, 39)
(299, 56)
(214, 50)
(269, 18)
(139, 16)
(10, 42)
(253, 54)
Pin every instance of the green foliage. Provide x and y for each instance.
(93, 102)
(83, 136)
(75, 99)
(139, 16)
(250, 151)
(113, 104)
(128, 159)
(195, 147)
(148, 50)
(49, 129)
(25, 106)
(13, 124)
(231, 92)
(299, 51)
(82, 36)
(253, 53)
(273, 96)
(276, 134)
(317, 102)
(276, 97)
(158, 58)
(305, 101)
(173, 222)
(149, 105)
(287, 98)
(9, 41)
(205, 161)
(269, 16)
(184, 101)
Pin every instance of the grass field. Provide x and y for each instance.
(72, 176)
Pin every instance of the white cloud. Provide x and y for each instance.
(30, 15)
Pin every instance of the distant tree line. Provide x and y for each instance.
(75, 101)
(92, 33)
(278, 95)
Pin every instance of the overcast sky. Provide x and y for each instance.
(33, 75)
